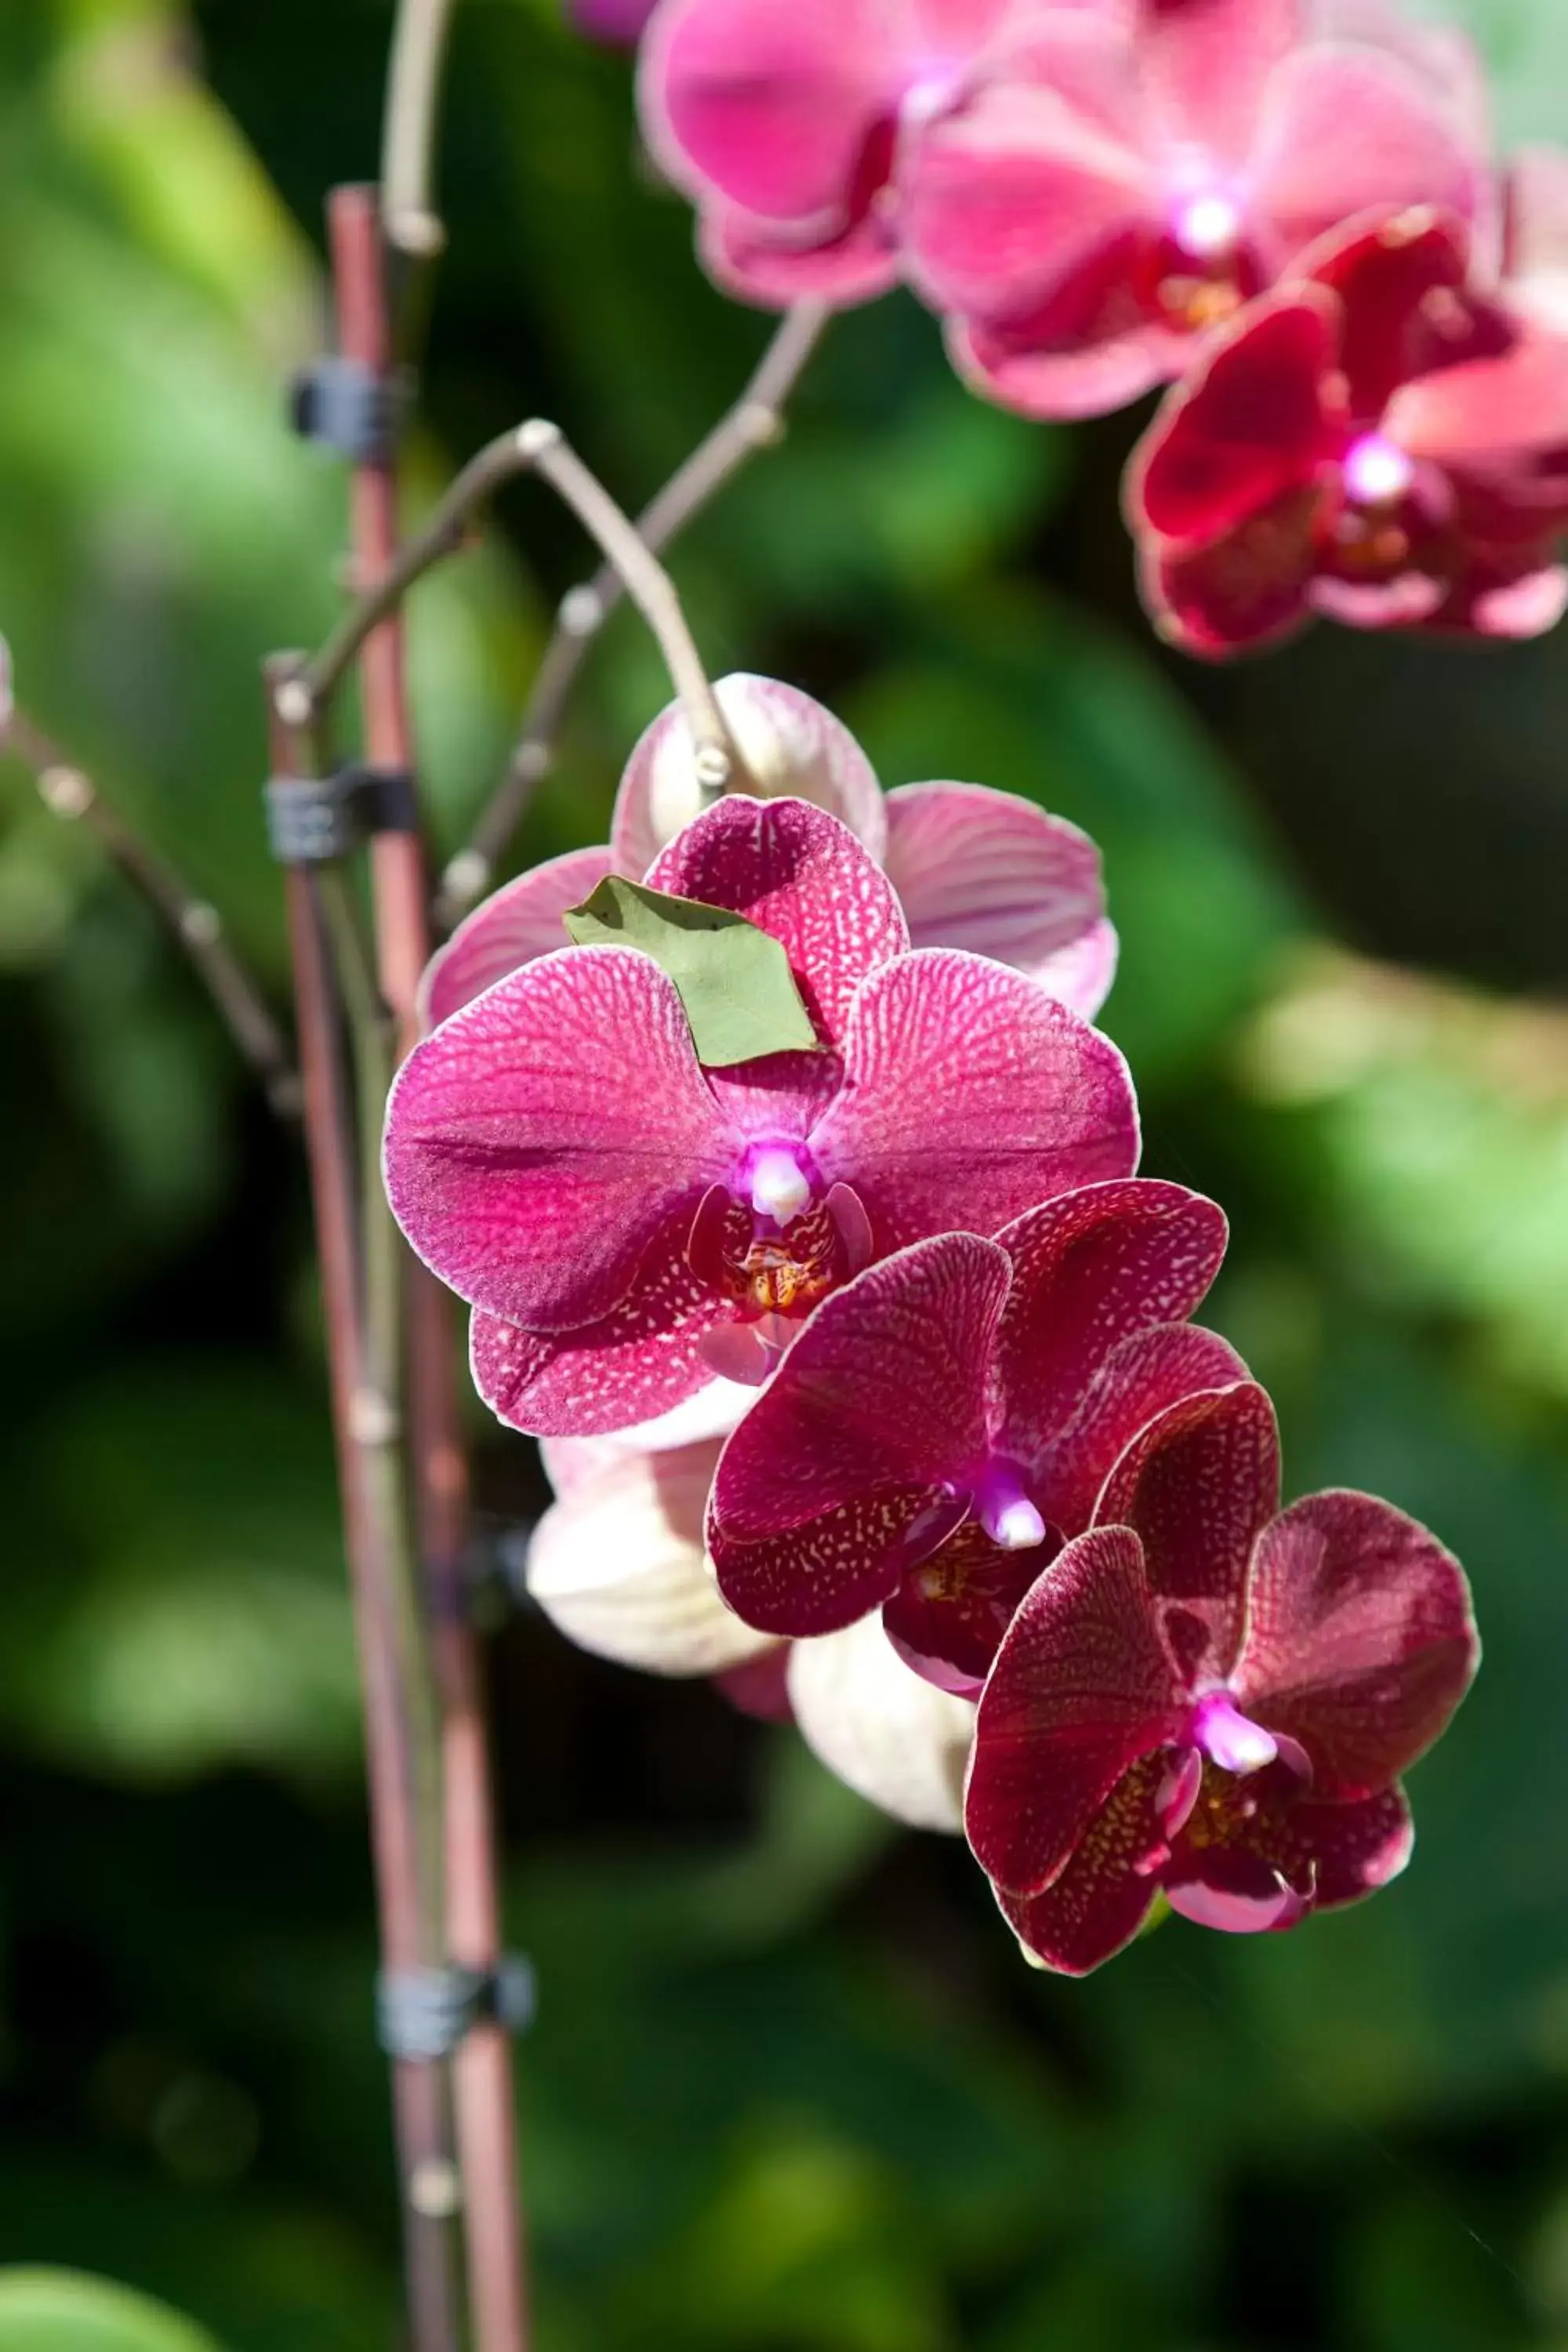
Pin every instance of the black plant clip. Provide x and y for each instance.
(346, 406)
(425, 2013)
(312, 819)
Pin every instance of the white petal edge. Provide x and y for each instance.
(895, 1739)
(617, 1565)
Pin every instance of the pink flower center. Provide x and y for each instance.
(1003, 1507)
(1377, 471)
(1206, 224)
(1229, 1739)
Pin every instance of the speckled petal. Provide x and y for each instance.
(512, 926)
(1082, 1688)
(1199, 1484)
(1096, 1904)
(540, 1138)
(841, 1474)
(642, 1360)
(801, 875)
(1141, 1377)
(970, 1094)
(1088, 1270)
(1360, 1639)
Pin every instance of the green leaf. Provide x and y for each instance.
(733, 980)
(65, 2311)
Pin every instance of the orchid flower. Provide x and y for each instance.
(786, 125)
(973, 868)
(943, 1422)
(1207, 1699)
(1120, 181)
(627, 1222)
(1374, 441)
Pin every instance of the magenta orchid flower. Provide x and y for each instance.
(1372, 441)
(617, 1565)
(1206, 1701)
(944, 1422)
(1120, 181)
(627, 1222)
(973, 868)
(786, 125)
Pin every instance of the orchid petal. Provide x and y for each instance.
(1089, 1269)
(617, 1565)
(1348, 130)
(800, 875)
(1139, 1380)
(1399, 286)
(771, 108)
(1248, 430)
(1205, 66)
(1013, 193)
(517, 923)
(970, 1094)
(642, 1359)
(887, 1734)
(1097, 1904)
(789, 747)
(1199, 1484)
(841, 1475)
(1487, 412)
(992, 874)
(1536, 255)
(1238, 593)
(540, 1139)
(1081, 1689)
(1360, 1639)
(1287, 1854)
(851, 262)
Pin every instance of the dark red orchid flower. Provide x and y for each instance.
(943, 1423)
(1374, 440)
(1201, 1699)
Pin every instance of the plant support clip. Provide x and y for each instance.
(348, 407)
(425, 2013)
(313, 819)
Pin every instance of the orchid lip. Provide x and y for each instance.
(1229, 1739)
(1004, 1508)
(777, 1180)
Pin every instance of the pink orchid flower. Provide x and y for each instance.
(1119, 182)
(1374, 441)
(1203, 1700)
(973, 868)
(785, 126)
(945, 1421)
(617, 1564)
(627, 1222)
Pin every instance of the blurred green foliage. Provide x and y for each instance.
(790, 2090)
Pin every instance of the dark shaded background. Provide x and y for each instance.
(791, 2089)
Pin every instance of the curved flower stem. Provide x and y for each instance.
(481, 2082)
(537, 448)
(755, 422)
(409, 218)
(402, 1750)
(73, 797)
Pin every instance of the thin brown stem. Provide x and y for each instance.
(481, 2067)
(410, 221)
(365, 1424)
(755, 421)
(537, 448)
(68, 794)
